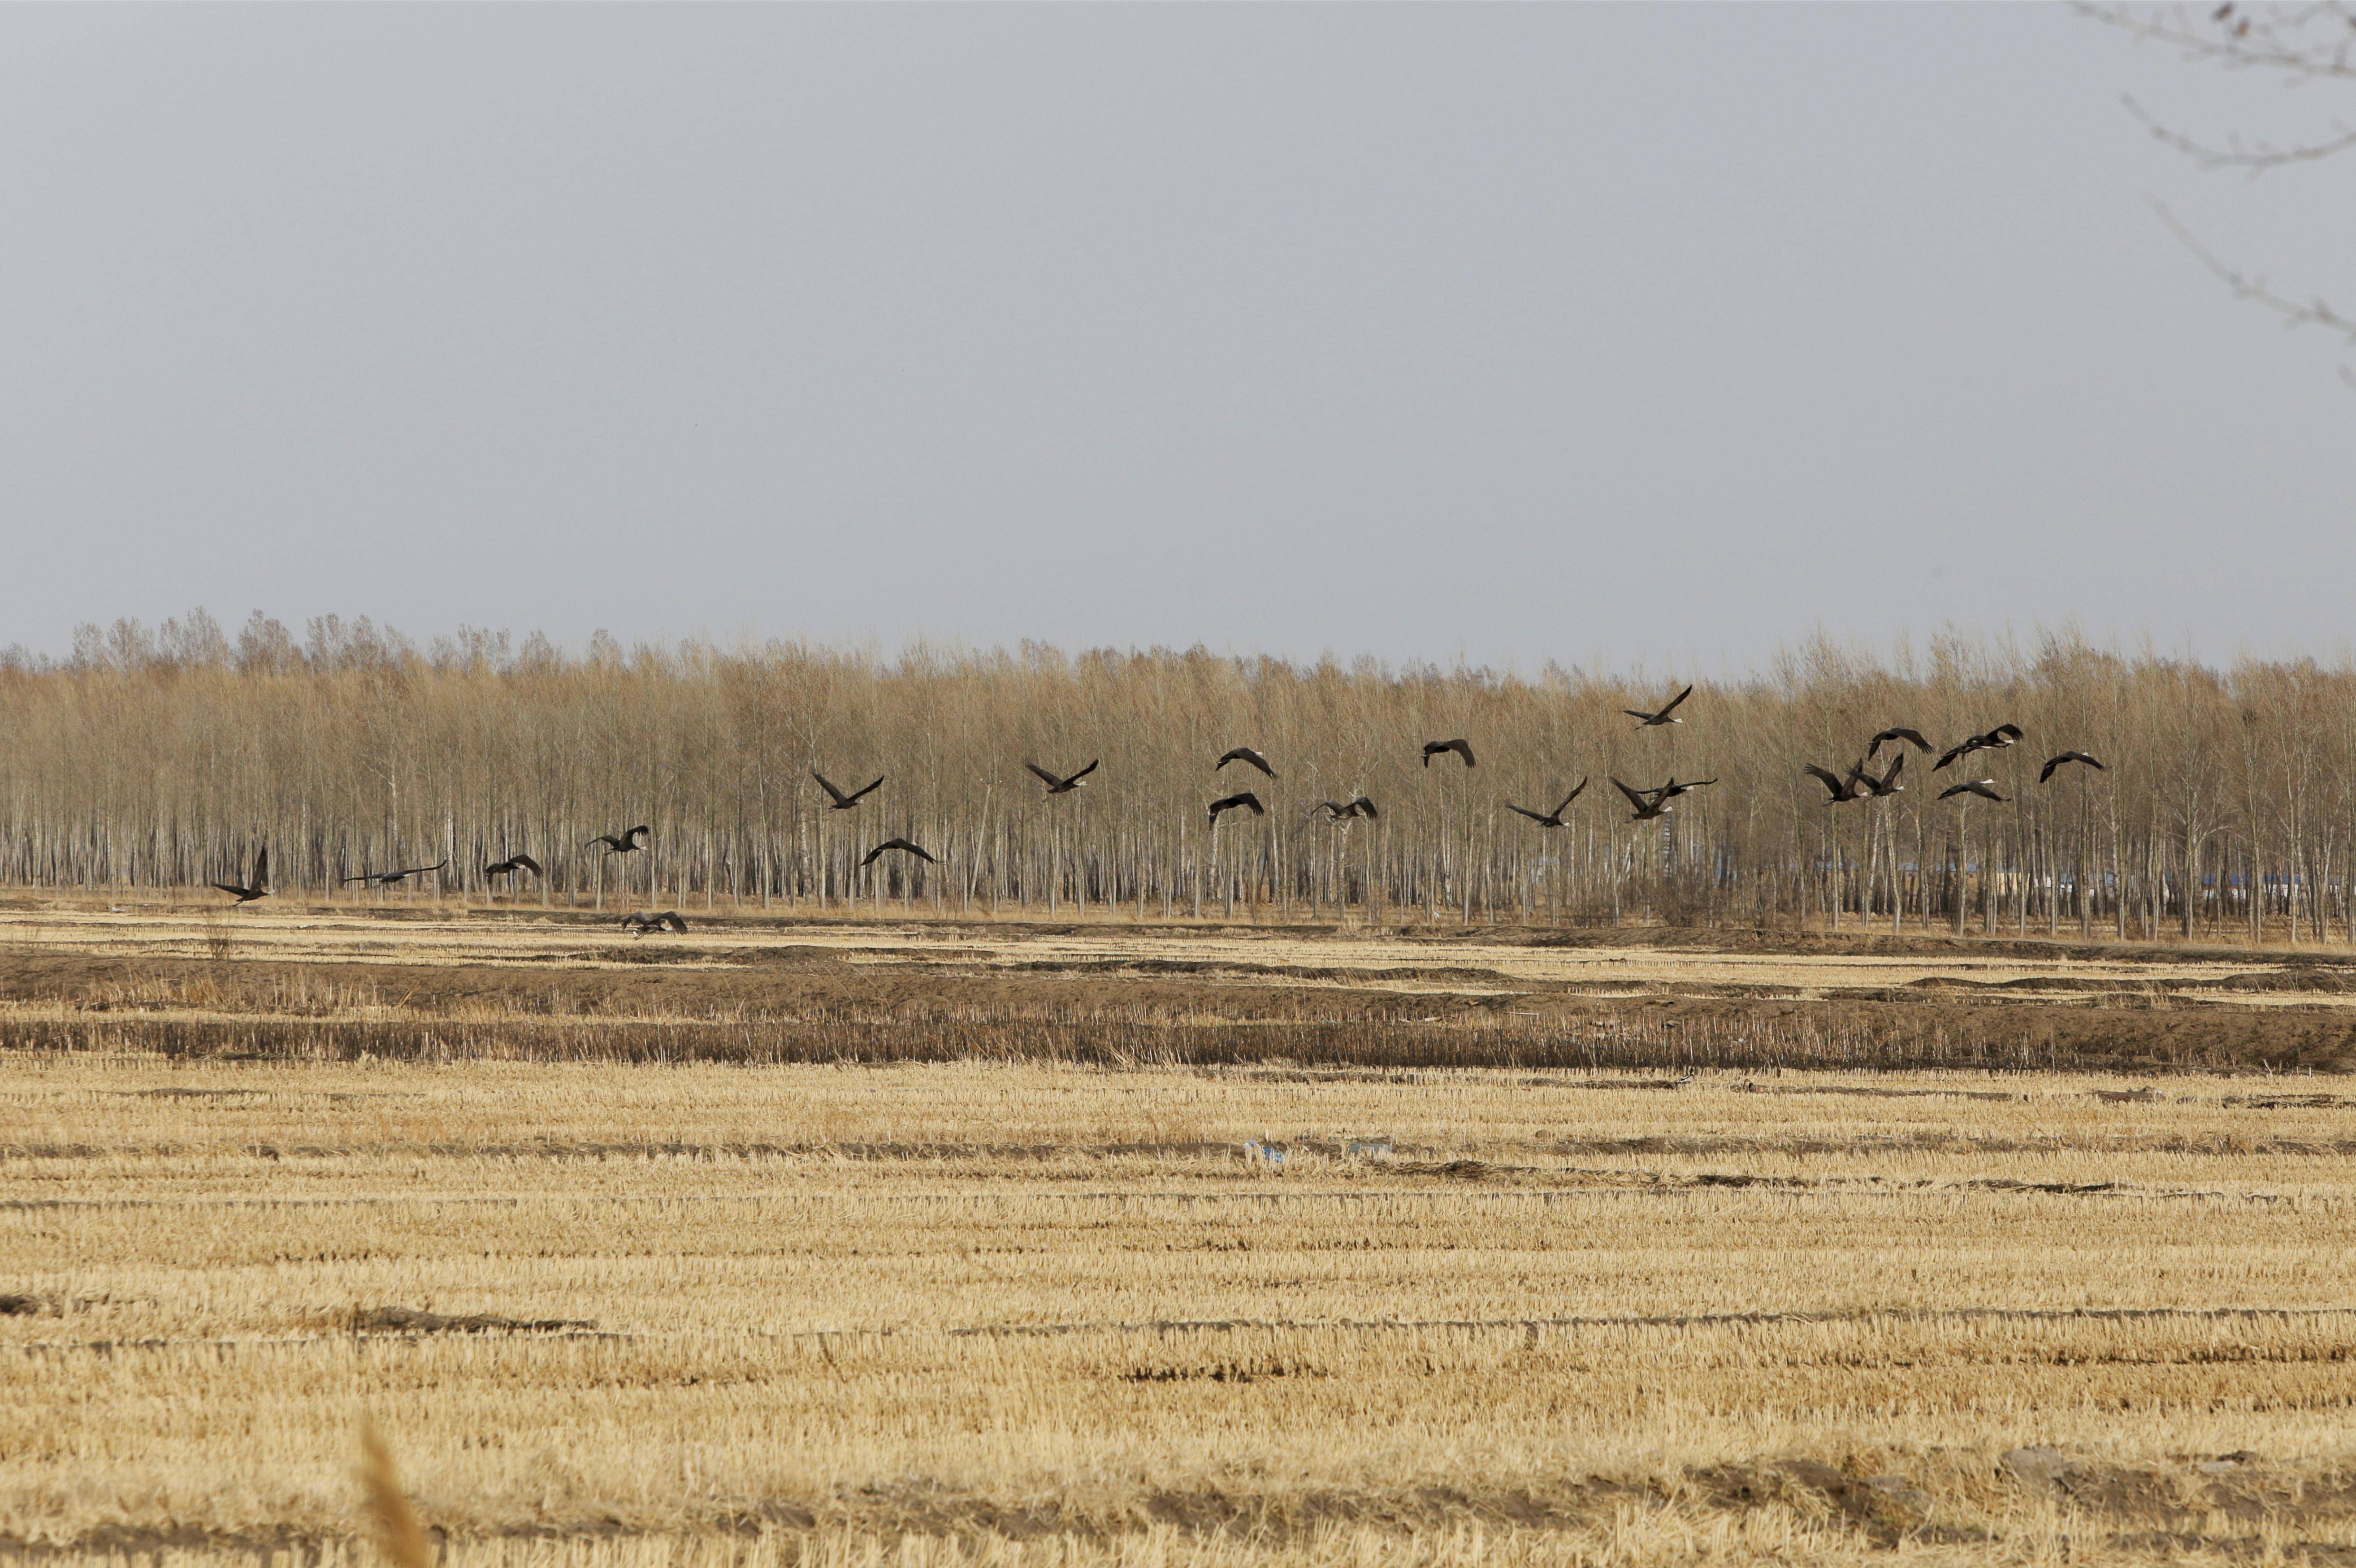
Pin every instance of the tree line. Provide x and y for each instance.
(164, 758)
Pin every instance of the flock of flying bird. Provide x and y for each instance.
(1860, 782)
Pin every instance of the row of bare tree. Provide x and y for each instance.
(165, 758)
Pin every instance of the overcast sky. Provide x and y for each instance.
(1660, 336)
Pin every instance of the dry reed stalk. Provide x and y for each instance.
(399, 1535)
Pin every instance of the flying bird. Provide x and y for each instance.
(386, 878)
(1062, 785)
(1246, 799)
(1885, 785)
(621, 844)
(1463, 748)
(668, 920)
(1673, 789)
(2053, 763)
(1339, 811)
(1649, 804)
(1983, 788)
(1842, 790)
(930, 859)
(513, 863)
(1996, 740)
(1646, 720)
(1898, 733)
(844, 802)
(259, 887)
(1246, 754)
(1550, 818)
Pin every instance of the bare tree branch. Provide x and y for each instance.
(2316, 312)
(2256, 157)
(2315, 40)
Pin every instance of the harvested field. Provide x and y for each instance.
(946, 1261)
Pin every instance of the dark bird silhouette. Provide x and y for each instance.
(1898, 733)
(1339, 811)
(917, 850)
(386, 878)
(513, 863)
(2053, 763)
(1246, 754)
(1842, 790)
(621, 844)
(845, 802)
(1550, 818)
(1983, 788)
(668, 920)
(1057, 785)
(1649, 804)
(259, 887)
(1463, 748)
(1661, 716)
(1246, 799)
(1996, 740)
(1671, 790)
(1885, 785)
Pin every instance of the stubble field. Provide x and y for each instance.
(835, 1243)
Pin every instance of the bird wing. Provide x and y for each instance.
(1636, 714)
(1636, 798)
(1042, 773)
(1464, 750)
(675, 920)
(1250, 802)
(1533, 816)
(1085, 771)
(641, 831)
(870, 856)
(2010, 732)
(228, 888)
(919, 852)
(261, 868)
(1365, 808)
(1580, 789)
(1966, 749)
(1672, 703)
(363, 876)
(2046, 772)
(1831, 780)
(605, 839)
(528, 864)
(1897, 733)
(824, 784)
(863, 794)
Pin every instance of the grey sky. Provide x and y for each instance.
(1593, 334)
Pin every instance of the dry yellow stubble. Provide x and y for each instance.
(1050, 1315)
